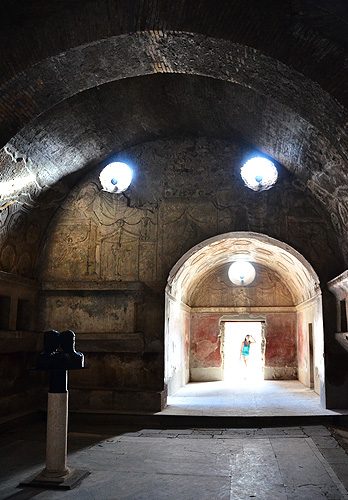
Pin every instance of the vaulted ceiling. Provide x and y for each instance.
(289, 266)
(82, 81)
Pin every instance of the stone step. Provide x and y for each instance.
(159, 420)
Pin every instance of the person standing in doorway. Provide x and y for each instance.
(245, 348)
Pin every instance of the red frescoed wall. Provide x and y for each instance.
(281, 340)
(281, 343)
(205, 341)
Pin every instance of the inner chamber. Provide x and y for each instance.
(209, 316)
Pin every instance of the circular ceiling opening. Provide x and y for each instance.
(259, 174)
(241, 273)
(116, 177)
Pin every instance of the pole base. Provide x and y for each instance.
(68, 483)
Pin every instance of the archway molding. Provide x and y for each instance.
(260, 248)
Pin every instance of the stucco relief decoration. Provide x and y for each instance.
(337, 209)
(192, 172)
(103, 237)
(192, 224)
(122, 236)
(69, 246)
(170, 207)
(119, 251)
(18, 239)
(278, 282)
(24, 264)
(216, 290)
(32, 234)
(8, 257)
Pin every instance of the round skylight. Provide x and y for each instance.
(259, 174)
(116, 177)
(241, 273)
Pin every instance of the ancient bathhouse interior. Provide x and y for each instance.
(185, 93)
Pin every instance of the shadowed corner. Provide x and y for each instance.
(25, 494)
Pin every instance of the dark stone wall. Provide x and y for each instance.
(22, 389)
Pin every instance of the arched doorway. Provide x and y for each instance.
(199, 301)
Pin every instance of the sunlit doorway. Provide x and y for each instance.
(235, 371)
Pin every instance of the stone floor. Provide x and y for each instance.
(248, 398)
(138, 463)
(292, 463)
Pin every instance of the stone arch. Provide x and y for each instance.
(277, 256)
(143, 53)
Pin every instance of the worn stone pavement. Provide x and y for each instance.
(183, 464)
(247, 398)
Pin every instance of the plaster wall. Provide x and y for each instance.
(310, 313)
(177, 348)
(184, 191)
(16, 289)
(205, 348)
(85, 311)
(191, 193)
(120, 342)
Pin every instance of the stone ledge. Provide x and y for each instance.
(241, 310)
(115, 399)
(339, 285)
(342, 339)
(14, 278)
(122, 342)
(22, 403)
(24, 341)
(20, 341)
(60, 286)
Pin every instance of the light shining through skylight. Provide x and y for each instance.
(259, 174)
(241, 273)
(116, 177)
